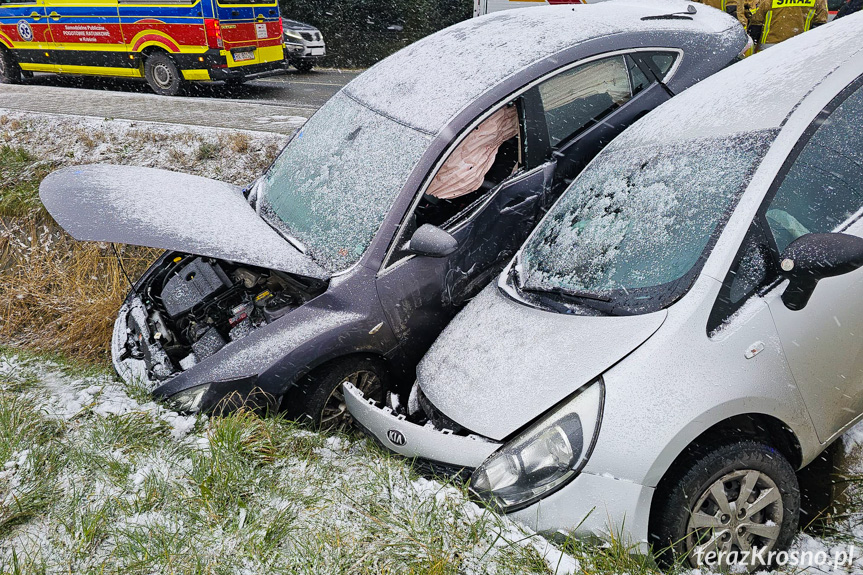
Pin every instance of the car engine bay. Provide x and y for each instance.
(190, 307)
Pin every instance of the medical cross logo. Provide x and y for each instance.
(25, 31)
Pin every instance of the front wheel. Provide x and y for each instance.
(162, 75)
(318, 398)
(732, 505)
(303, 65)
(10, 72)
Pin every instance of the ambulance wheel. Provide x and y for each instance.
(163, 75)
(10, 72)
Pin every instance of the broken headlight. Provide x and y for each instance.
(544, 457)
(189, 400)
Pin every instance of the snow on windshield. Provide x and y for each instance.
(640, 218)
(335, 182)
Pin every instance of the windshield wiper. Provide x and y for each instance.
(567, 293)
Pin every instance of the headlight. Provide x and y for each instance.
(546, 456)
(293, 35)
(189, 400)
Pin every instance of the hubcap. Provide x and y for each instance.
(740, 512)
(335, 412)
(162, 75)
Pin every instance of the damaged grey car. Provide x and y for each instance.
(400, 199)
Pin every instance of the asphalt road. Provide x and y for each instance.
(279, 103)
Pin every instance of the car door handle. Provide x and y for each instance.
(36, 16)
(235, 13)
(516, 204)
(260, 17)
(54, 16)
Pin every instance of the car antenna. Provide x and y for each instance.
(122, 267)
(690, 11)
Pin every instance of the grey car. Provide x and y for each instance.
(304, 45)
(681, 333)
(400, 199)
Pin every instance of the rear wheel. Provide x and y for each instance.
(318, 398)
(162, 75)
(10, 72)
(741, 499)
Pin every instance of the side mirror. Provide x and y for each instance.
(431, 241)
(812, 257)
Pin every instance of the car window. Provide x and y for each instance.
(335, 182)
(663, 61)
(638, 223)
(490, 154)
(576, 99)
(753, 268)
(824, 186)
(636, 76)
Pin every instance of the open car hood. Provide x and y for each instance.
(168, 210)
(501, 364)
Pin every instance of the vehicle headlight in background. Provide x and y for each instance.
(544, 457)
(293, 35)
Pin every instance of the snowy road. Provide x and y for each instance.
(279, 104)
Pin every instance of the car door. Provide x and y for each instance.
(585, 107)
(821, 190)
(421, 294)
(23, 24)
(87, 34)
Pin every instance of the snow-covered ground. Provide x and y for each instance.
(95, 478)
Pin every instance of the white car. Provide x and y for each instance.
(681, 332)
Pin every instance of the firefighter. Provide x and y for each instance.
(733, 7)
(776, 20)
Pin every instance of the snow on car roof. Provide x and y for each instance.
(756, 94)
(427, 83)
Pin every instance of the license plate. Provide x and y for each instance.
(261, 30)
(242, 56)
(317, 51)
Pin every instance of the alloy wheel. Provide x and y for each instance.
(335, 413)
(740, 512)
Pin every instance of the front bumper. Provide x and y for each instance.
(307, 51)
(590, 506)
(414, 441)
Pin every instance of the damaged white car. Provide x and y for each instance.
(681, 333)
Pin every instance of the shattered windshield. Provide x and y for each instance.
(632, 231)
(336, 180)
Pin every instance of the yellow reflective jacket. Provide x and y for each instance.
(724, 4)
(784, 19)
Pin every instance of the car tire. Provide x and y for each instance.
(689, 512)
(163, 75)
(10, 71)
(318, 398)
(303, 65)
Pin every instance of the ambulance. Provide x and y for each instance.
(481, 7)
(167, 42)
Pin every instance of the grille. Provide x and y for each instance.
(308, 36)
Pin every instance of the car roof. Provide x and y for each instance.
(759, 93)
(428, 83)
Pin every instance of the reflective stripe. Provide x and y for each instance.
(809, 20)
(793, 3)
(766, 30)
(724, 5)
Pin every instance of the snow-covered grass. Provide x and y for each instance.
(95, 478)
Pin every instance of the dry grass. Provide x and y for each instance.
(60, 295)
